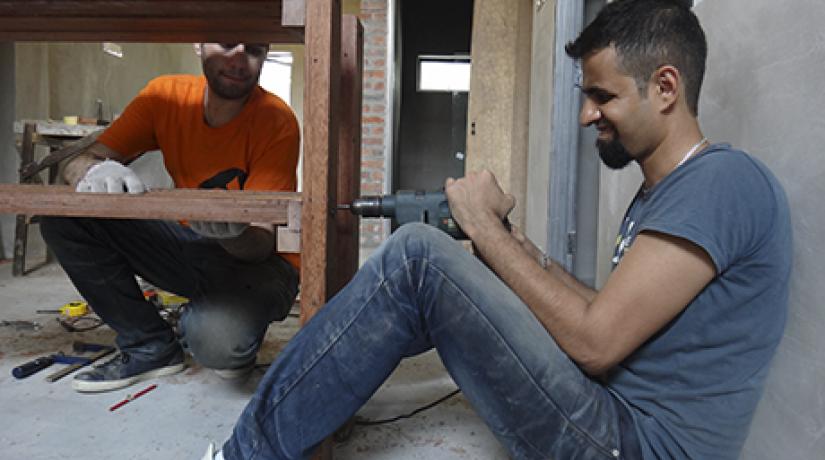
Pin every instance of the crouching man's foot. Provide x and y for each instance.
(211, 454)
(124, 370)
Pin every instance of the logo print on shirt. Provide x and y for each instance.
(623, 240)
(225, 178)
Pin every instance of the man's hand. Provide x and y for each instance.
(110, 176)
(218, 230)
(476, 201)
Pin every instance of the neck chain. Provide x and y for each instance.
(689, 153)
(692, 151)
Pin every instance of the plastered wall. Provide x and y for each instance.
(763, 93)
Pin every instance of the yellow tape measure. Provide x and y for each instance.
(74, 309)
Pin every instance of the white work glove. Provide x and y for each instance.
(219, 230)
(110, 176)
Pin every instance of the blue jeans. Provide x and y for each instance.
(231, 304)
(418, 291)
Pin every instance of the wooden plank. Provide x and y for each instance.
(321, 114)
(176, 204)
(21, 229)
(145, 21)
(349, 154)
(294, 13)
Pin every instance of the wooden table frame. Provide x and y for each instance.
(332, 112)
(332, 106)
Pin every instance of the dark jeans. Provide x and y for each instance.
(231, 304)
(418, 291)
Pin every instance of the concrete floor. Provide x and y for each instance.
(42, 421)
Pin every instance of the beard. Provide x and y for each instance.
(227, 91)
(613, 154)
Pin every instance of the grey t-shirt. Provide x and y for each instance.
(692, 388)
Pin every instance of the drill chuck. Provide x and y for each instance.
(369, 206)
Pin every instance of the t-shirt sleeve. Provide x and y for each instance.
(273, 165)
(722, 203)
(134, 132)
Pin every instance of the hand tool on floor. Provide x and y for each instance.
(21, 325)
(38, 364)
(407, 206)
(99, 351)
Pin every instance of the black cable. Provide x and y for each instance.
(365, 422)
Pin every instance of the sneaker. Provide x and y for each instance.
(236, 373)
(123, 370)
(211, 454)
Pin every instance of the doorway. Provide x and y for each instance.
(434, 80)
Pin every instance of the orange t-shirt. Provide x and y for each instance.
(257, 150)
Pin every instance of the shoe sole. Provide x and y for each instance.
(86, 386)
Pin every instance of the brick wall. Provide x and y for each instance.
(374, 148)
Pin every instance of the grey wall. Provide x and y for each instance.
(763, 93)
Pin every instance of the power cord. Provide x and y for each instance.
(366, 422)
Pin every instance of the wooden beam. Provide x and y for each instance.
(146, 21)
(176, 204)
(321, 114)
(349, 153)
(294, 13)
(21, 228)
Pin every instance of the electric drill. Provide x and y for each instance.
(409, 206)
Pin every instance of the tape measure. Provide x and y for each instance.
(70, 310)
(74, 309)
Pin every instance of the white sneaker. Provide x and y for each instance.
(211, 454)
(236, 373)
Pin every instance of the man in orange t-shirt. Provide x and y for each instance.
(221, 130)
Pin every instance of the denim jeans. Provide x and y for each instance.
(231, 304)
(421, 290)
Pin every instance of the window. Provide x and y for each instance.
(444, 73)
(276, 76)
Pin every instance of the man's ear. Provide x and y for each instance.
(666, 85)
(197, 47)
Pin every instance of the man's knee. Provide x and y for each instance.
(220, 340)
(419, 238)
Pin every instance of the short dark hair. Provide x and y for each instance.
(648, 34)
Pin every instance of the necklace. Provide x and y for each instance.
(692, 151)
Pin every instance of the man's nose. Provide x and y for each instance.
(589, 113)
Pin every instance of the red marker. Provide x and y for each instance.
(133, 397)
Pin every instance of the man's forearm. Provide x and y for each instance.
(561, 309)
(560, 273)
(77, 167)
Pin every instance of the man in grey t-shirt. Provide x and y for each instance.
(667, 360)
